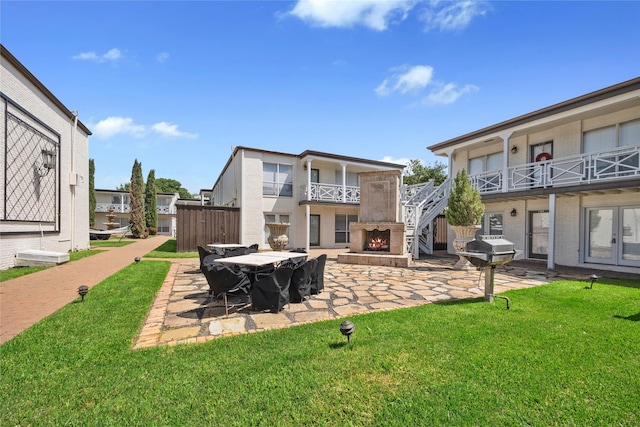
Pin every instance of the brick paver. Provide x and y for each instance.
(28, 299)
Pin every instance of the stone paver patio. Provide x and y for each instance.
(183, 313)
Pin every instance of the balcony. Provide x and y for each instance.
(589, 168)
(125, 208)
(331, 193)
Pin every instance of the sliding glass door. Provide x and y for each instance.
(613, 235)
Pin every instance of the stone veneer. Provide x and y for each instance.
(379, 210)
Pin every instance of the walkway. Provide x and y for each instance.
(29, 299)
(182, 312)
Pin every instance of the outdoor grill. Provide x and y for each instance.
(486, 252)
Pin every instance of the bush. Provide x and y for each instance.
(465, 205)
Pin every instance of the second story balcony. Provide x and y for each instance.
(331, 193)
(582, 169)
(125, 208)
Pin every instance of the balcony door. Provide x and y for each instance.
(539, 153)
(613, 235)
(538, 236)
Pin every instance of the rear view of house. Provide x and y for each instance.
(45, 168)
(563, 182)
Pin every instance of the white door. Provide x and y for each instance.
(613, 235)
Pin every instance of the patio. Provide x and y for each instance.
(182, 313)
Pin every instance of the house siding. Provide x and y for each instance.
(31, 102)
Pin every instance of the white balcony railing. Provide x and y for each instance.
(608, 165)
(125, 208)
(331, 193)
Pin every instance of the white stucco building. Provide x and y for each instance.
(317, 193)
(563, 182)
(45, 168)
(119, 202)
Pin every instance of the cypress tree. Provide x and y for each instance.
(465, 205)
(151, 204)
(92, 194)
(136, 201)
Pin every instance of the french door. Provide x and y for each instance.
(538, 235)
(613, 235)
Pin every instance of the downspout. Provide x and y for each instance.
(73, 180)
(308, 207)
(344, 182)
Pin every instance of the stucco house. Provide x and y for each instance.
(563, 182)
(117, 201)
(45, 168)
(316, 193)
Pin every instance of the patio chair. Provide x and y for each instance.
(271, 291)
(202, 252)
(223, 280)
(253, 248)
(317, 277)
(235, 252)
(301, 281)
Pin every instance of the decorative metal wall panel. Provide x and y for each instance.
(31, 171)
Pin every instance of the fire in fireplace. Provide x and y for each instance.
(377, 240)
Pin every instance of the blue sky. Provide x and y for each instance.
(176, 85)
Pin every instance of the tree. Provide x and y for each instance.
(151, 204)
(136, 196)
(465, 205)
(92, 194)
(416, 172)
(165, 185)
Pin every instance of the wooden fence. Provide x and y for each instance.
(202, 225)
(440, 236)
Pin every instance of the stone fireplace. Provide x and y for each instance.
(379, 238)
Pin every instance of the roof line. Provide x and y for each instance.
(38, 84)
(589, 98)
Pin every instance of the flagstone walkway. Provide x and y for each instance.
(183, 313)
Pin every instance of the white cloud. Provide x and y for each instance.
(398, 161)
(112, 126)
(452, 15)
(112, 55)
(410, 80)
(375, 14)
(162, 57)
(170, 130)
(448, 94)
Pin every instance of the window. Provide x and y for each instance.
(352, 178)
(274, 218)
(118, 199)
(342, 227)
(277, 180)
(164, 226)
(490, 162)
(611, 138)
(163, 201)
(493, 224)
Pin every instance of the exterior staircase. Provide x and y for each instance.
(421, 204)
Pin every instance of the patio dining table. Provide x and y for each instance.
(252, 262)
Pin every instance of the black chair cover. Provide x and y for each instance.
(301, 281)
(235, 252)
(317, 277)
(202, 252)
(252, 249)
(271, 291)
(222, 279)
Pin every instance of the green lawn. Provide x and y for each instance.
(16, 272)
(111, 243)
(168, 250)
(563, 355)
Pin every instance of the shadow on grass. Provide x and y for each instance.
(633, 317)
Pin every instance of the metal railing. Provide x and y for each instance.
(331, 193)
(607, 165)
(125, 208)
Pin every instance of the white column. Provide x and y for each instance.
(344, 182)
(505, 161)
(450, 163)
(551, 248)
(308, 184)
(308, 220)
